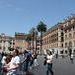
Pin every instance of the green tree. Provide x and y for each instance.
(41, 27)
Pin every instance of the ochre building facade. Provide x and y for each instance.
(60, 37)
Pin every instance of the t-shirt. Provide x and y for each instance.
(49, 58)
(14, 61)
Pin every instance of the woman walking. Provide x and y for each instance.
(49, 62)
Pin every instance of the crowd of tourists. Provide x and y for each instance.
(17, 63)
(20, 63)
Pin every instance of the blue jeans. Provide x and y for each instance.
(26, 64)
(49, 69)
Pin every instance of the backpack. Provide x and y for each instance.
(28, 57)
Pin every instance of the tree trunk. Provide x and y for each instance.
(33, 42)
(41, 44)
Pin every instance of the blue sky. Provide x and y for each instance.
(22, 15)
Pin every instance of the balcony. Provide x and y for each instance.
(69, 26)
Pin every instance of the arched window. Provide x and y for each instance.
(61, 45)
(70, 44)
(65, 44)
(70, 35)
(65, 37)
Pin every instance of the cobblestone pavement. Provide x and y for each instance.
(61, 66)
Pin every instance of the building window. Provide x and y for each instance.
(74, 34)
(0, 47)
(13, 43)
(65, 44)
(74, 42)
(70, 44)
(62, 39)
(65, 31)
(62, 33)
(70, 36)
(61, 45)
(65, 36)
(73, 27)
(69, 29)
(3, 48)
(4, 41)
(61, 30)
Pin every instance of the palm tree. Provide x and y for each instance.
(41, 27)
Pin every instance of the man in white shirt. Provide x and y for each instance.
(49, 63)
